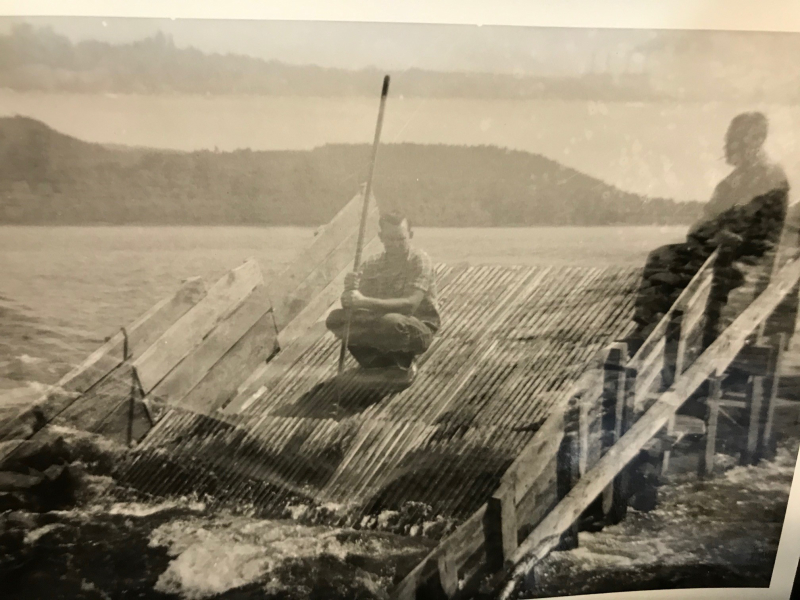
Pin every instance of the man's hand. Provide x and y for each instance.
(351, 282)
(353, 299)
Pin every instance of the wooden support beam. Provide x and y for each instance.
(500, 527)
(674, 349)
(712, 420)
(777, 343)
(192, 328)
(755, 401)
(614, 400)
(567, 475)
(141, 334)
(196, 365)
(447, 574)
(674, 353)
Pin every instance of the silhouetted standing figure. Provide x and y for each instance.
(745, 215)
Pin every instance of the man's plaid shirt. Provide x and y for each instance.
(384, 277)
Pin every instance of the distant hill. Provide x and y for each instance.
(42, 60)
(50, 178)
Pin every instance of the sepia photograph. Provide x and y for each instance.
(363, 310)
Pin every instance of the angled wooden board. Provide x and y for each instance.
(202, 359)
(141, 334)
(292, 293)
(191, 329)
(221, 382)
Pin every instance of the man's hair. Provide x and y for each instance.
(394, 217)
(750, 126)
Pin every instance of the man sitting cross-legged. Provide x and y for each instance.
(392, 305)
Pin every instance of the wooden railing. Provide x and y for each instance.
(584, 451)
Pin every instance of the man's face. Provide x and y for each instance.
(741, 147)
(395, 238)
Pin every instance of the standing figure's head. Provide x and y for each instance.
(395, 232)
(745, 138)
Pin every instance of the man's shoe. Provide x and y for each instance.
(389, 378)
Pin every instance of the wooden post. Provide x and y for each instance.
(766, 447)
(568, 468)
(753, 404)
(448, 574)
(500, 527)
(614, 399)
(442, 584)
(712, 418)
(674, 353)
(619, 506)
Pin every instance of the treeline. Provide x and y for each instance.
(41, 60)
(50, 178)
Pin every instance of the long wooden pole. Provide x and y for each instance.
(364, 211)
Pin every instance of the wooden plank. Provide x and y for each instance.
(772, 384)
(540, 497)
(98, 401)
(719, 354)
(674, 349)
(190, 330)
(141, 333)
(533, 458)
(500, 527)
(320, 305)
(447, 571)
(712, 421)
(566, 477)
(327, 239)
(458, 546)
(755, 398)
(290, 301)
(262, 377)
(695, 310)
(197, 364)
(754, 360)
(220, 384)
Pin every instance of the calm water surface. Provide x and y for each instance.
(65, 289)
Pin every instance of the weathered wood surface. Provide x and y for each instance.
(318, 306)
(716, 358)
(292, 294)
(305, 292)
(220, 384)
(707, 459)
(196, 365)
(140, 335)
(190, 330)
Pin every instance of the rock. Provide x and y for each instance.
(39, 453)
(20, 519)
(668, 278)
(12, 482)
(38, 492)
(388, 518)
(434, 529)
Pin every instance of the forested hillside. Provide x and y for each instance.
(48, 177)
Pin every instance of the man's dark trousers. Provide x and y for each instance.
(381, 340)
